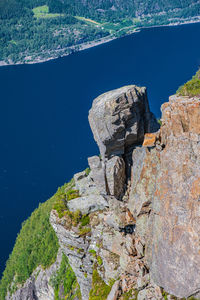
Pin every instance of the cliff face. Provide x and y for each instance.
(142, 197)
(174, 249)
(38, 285)
(136, 220)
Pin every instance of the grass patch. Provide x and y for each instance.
(43, 12)
(100, 289)
(99, 261)
(85, 220)
(84, 231)
(72, 194)
(88, 21)
(129, 295)
(64, 282)
(192, 87)
(60, 203)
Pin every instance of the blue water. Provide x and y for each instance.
(44, 131)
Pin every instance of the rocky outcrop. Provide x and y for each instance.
(38, 286)
(110, 245)
(76, 249)
(120, 118)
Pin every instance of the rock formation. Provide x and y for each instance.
(141, 198)
(120, 118)
(38, 286)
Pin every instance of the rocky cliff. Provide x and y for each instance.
(132, 229)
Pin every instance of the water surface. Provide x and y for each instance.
(44, 131)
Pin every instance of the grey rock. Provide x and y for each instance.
(97, 174)
(120, 118)
(114, 293)
(142, 282)
(87, 204)
(76, 249)
(115, 176)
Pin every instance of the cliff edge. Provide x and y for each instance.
(130, 224)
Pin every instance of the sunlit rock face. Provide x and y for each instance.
(175, 256)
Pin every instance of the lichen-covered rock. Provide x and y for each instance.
(120, 118)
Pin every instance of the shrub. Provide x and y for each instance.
(192, 87)
(93, 252)
(99, 260)
(64, 280)
(129, 295)
(72, 194)
(85, 220)
(159, 122)
(87, 171)
(84, 230)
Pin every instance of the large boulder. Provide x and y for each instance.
(120, 118)
(87, 204)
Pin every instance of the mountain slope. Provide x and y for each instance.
(33, 31)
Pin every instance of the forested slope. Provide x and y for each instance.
(42, 29)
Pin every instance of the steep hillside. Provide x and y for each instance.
(192, 87)
(33, 31)
(36, 254)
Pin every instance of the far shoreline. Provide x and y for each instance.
(92, 44)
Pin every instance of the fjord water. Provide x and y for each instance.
(45, 135)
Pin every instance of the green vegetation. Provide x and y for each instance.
(93, 252)
(85, 220)
(72, 194)
(36, 244)
(99, 260)
(67, 193)
(64, 282)
(192, 87)
(159, 122)
(84, 230)
(41, 29)
(100, 289)
(60, 204)
(87, 171)
(43, 12)
(128, 295)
